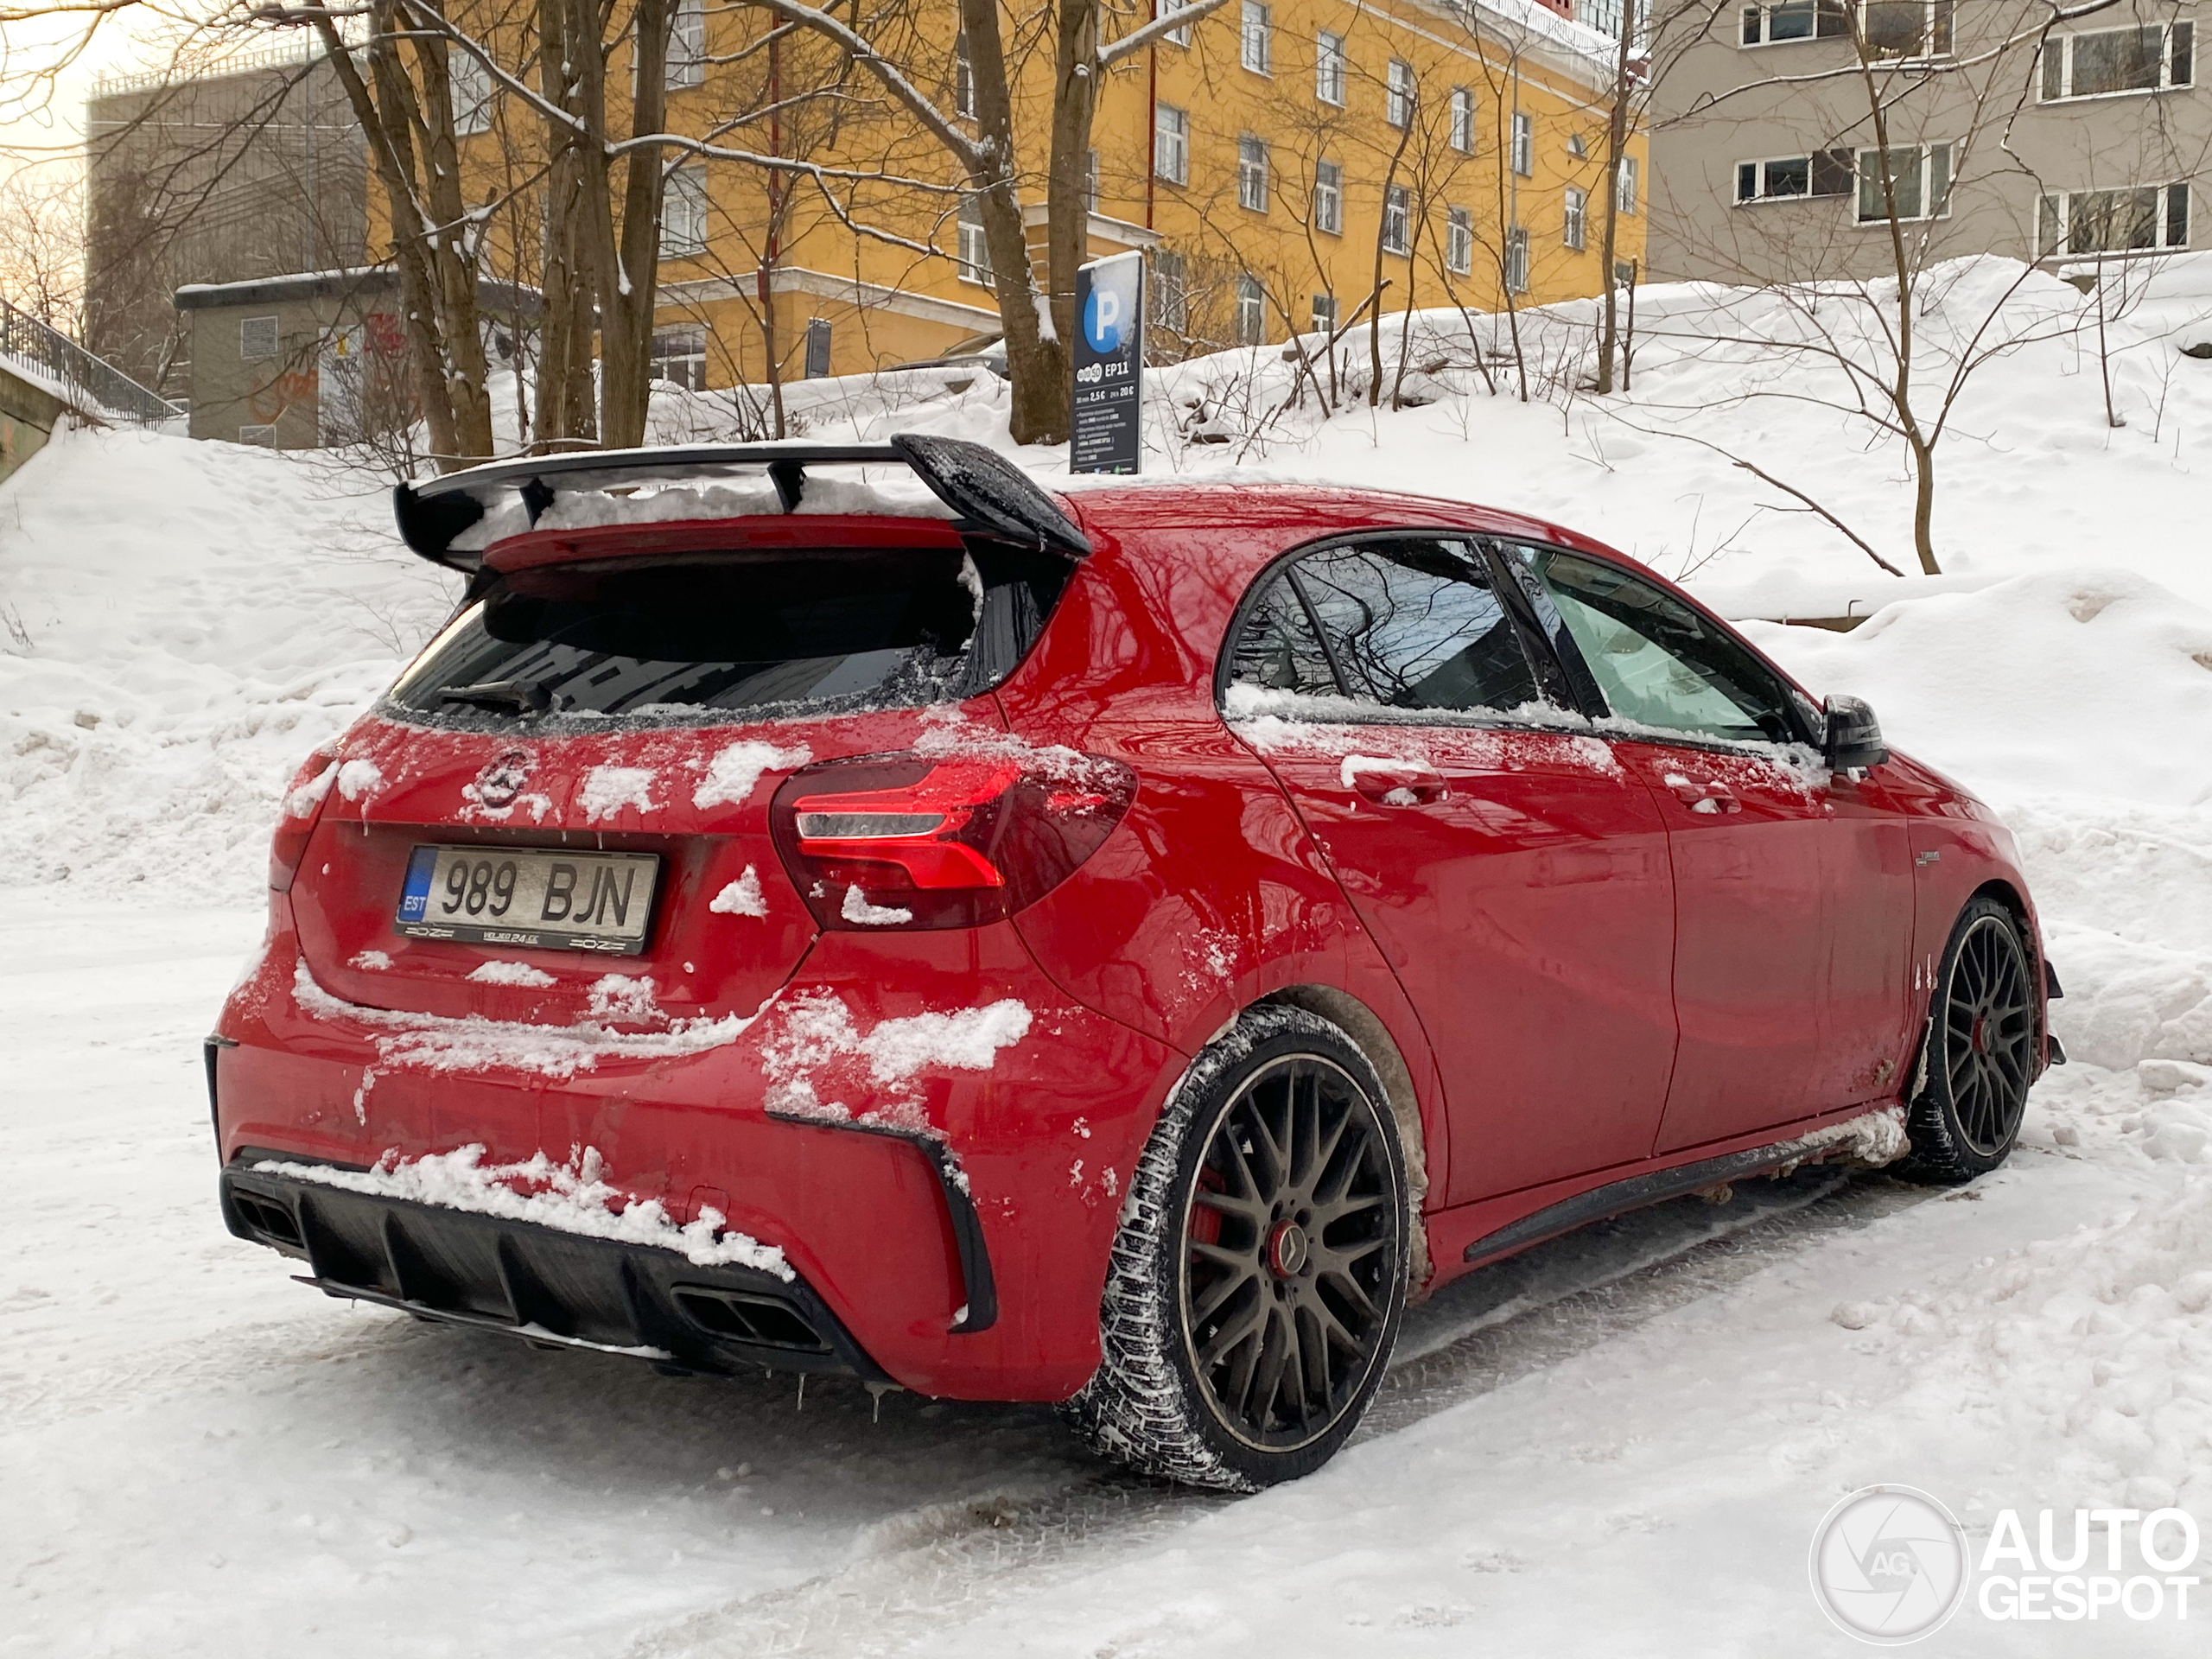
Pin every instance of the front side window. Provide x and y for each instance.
(1256, 46)
(1329, 67)
(1405, 624)
(2118, 61)
(1576, 231)
(1171, 145)
(1919, 183)
(2134, 221)
(1397, 222)
(1252, 174)
(683, 214)
(1524, 142)
(1329, 198)
(1398, 105)
(1656, 661)
(1458, 241)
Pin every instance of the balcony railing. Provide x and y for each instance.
(89, 384)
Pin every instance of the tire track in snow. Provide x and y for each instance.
(928, 1568)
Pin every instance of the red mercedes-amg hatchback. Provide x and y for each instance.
(849, 909)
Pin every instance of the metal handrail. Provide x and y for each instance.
(89, 384)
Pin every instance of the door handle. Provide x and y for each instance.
(1711, 796)
(1389, 782)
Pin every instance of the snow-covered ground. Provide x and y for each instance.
(1619, 1443)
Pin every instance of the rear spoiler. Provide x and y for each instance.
(987, 492)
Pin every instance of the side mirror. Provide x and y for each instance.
(1854, 741)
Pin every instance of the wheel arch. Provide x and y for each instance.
(1373, 1038)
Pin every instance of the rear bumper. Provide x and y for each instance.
(554, 1288)
(953, 1223)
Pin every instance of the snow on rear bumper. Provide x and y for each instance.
(904, 1206)
(549, 1285)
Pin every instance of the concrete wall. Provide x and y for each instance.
(27, 414)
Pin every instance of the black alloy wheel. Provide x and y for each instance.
(1984, 1032)
(1259, 1276)
(1290, 1252)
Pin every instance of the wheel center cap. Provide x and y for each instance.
(1287, 1249)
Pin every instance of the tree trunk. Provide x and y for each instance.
(568, 329)
(1036, 358)
(1067, 200)
(1616, 144)
(625, 257)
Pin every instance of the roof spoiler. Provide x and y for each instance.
(986, 492)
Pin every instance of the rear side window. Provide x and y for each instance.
(1411, 624)
(826, 632)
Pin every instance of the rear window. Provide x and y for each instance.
(825, 631)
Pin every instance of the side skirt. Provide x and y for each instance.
(1616, 1197)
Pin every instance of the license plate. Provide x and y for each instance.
(529, 897)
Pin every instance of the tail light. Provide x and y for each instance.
(304, 799)
(905, 841)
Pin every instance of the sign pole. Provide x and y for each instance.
(1105, 429)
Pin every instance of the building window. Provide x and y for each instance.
(1397, 220)
(817, 348)
(1252, 173)
(964, 78)
(1462, 120)
(1625, 186)
(1329, 67)
(680, 356)
(2112, 221)
(1171, 145)
(256, 337)
(1794, 20)
(1604, 16)
(1906, 28)
(974, 256)
(1524, 142)
(1789, 177)
(1920, 182)
(1398, 100)
(1329, 198)
(1575, 231)
(1325, 313)
(2119, 61)
(1458, 241)
(1181, 35)
(687, 45)
(1171, 291)
(1251, 312)
(1090, 180)
(1257, 52)
(469, 84)
(1517, 261)
(683, 214)
(263, 435)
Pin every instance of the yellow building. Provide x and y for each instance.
(1279, 160)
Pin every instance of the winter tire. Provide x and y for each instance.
(1258, 1279)
(1980, 1051)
